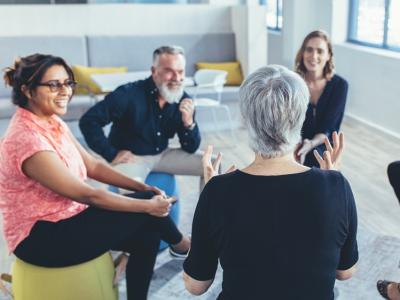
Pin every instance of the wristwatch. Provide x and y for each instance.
(191, 126)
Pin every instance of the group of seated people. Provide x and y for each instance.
(281, 227)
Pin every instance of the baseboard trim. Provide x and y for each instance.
(373, 126)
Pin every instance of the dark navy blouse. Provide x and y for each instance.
(325, 117)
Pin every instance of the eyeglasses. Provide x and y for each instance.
(56, 86)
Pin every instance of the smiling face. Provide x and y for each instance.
(316, 55)
(168, 74)
(43, 102)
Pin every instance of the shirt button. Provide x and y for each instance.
(186, 133)
(160, 116)
(158, 133)
(157, 149)
(185, 143)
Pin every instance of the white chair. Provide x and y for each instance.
(211, 82)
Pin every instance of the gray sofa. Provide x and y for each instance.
(106, 51)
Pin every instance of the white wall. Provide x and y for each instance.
(134, 19)
(248, 23)
(300, 18)
(374, 86)
(275, 46)
(142, 19)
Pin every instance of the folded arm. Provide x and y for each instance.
(92, 122)
(47, 168)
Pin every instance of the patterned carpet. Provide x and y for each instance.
(379, 258)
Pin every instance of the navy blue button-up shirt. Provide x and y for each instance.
(138, 122)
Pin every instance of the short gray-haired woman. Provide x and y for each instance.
(280, 230)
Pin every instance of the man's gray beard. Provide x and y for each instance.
(169, 95)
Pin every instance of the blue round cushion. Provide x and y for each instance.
(167, 183)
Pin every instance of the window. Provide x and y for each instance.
(141, 1)
(274, 14)
(375, 23)
(95, 1)
(42, 1)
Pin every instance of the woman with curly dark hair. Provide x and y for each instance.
(51, 216)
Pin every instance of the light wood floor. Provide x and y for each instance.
(366, 157)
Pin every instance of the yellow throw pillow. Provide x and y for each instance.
(233, 68)
(82, 76)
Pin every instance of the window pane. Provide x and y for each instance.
(24, 1)
(370, 21)
(69, 1)
(394, 24)
(157, 1)
(280, 18)
(271, 13)
(271, 17)
(141, 1)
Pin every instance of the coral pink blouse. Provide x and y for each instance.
(24, 201)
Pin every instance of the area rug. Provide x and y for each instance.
(379, 259)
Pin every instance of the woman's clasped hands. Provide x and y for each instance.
(160, 205)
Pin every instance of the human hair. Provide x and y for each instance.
(28, 71)
(273, 104)
(329, 67)
(172, 49)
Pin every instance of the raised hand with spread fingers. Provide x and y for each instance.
(210, 169)
(332, 156)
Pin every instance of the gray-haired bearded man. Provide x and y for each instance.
(145, 114)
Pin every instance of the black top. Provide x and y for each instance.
(138, 123)
(327, 115)
(276, 237)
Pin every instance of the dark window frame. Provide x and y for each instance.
(352, 29)
(276, 28)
